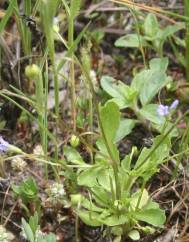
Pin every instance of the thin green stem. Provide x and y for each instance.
(91, 123)
(161, 140)
(141, 193)
(114, 162)
(138, 33)
(186, 8)
(72, 71)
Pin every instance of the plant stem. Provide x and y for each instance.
(186, 8)
(72, 71)
(114, 162)
(183, 146)
(91, 123)
(132, 10)
(161, 140)
(141, 193)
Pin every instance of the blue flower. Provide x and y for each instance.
(174, 104)
(164, 110)
(4, 145)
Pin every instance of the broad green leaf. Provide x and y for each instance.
(134, 234)
(149, 111)
(101, 196)
(110, 119)
(130, 40)
(143, 201)
(102, 147)
(109, 84)
(47, 238)
(151, 25)
(104, 177)
(139, 79)
(73, 155)
(27, 230)
(90, 206)
(155, 217)
(149, 82)
(89, 217)
(125, 128)
(88, 177)
(159, 64)
(151, 205)
(121, 102)
(122, 94)
(113, 219)
(155, 81)
(33, 222)
(129, 93)
(85, 203)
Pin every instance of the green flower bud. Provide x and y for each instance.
(76, 199)
(32, 71)
(74, 141)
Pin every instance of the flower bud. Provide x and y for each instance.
(32, 71)
(76, 199)
(74, 141)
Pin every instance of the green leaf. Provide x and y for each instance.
(72, 155)
(102, 147)
(134, 234)
(143, 201)
(113, 219)
(109, 84)
(155, 217)
(123, 95)
(88, 177)
(149, 111)
(101, 196)
(48, 238)
(89, 205)
(151, 25)
(104, 177)
(139, 79)
(149, 82)
(110, 120)
(155, 81)
(157, 156)
(130, 41)
(33, 222)
(89, 217)
(169, 31)
(16, 189)
(125, 128)
(159, 64)
(27, 231)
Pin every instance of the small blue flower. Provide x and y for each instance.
(174, 104)
(163, 110)
(4, 145)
